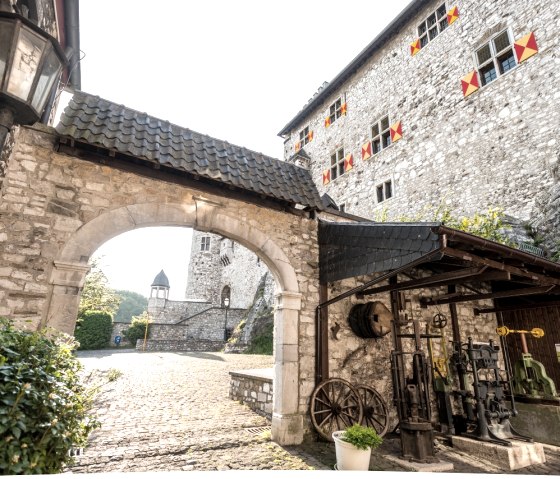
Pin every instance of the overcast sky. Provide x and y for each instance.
(238, 70)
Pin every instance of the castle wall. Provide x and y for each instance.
(204, 270)
(498, 147)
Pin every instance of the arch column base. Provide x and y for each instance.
(287, 429)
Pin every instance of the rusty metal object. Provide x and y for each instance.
(370, 320)
(335, 405)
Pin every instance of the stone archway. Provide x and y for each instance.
(70, 267)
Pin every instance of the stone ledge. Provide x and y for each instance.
(261, 374)
(517, 456)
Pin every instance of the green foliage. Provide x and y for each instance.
(132, 304)
(362, 437)
(96, 294)
(114, 374)
(489, 225)
(43, 405)
(263, 343)
(93, 330)
(137, 328)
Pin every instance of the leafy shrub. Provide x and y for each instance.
(362, 437)
(137, 328)
(263, 342)
(93, 330)
(43, 405)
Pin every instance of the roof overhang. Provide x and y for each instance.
(487, 269)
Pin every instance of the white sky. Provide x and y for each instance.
(237, 70)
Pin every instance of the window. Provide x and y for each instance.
(337, 163)
(433, 26)
(495, 58)
(384, 191)
(205, 243)
(335, 111)
(304, 137)
(380, 135)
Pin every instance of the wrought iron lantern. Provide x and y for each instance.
(30, 64)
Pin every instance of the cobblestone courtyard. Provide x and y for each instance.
(171, 412)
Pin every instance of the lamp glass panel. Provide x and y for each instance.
(51, 68)
(6, 35)
(27, 57)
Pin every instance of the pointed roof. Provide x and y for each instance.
(161, 280)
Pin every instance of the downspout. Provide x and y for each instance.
(72, 19)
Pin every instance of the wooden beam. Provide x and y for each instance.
(545, 304)
(433, 280)
(322, 360)
(471, 275)
(461, 298)
(467, 256)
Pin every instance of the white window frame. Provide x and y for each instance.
(304, 136)
(205, 243)
(495, 56)
(336, 164)
(335, 109)
(380, 135)
(428, 32)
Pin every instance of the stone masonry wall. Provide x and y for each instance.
(57, 209)
(497, 147)
(179, 345)
(205, 269)
(254, 389)
(167, 311)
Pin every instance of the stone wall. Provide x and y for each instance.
(57, 209)
(179, 345)
(204, 272)
(253, 387)
(498, 147)
(171, 312)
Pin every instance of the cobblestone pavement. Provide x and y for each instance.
(171, 412)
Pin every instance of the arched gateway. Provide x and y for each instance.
(107, 170)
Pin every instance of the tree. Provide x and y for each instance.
(132, 304)
(97, 295)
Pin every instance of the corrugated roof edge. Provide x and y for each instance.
(402, 18)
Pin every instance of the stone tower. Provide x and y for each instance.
(205, 268)
(159, 293)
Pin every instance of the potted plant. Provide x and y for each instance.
(353, 447)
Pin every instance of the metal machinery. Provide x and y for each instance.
(411, 374)
(529, 376)
(488, 420)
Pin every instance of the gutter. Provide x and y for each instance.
(376, 44)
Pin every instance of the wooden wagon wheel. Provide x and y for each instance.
(375, 412)
(335, 405)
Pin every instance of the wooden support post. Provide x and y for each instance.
(322, 344)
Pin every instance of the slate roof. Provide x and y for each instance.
(161, 280)
(92, 120)
(355, 249)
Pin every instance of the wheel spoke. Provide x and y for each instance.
(325, 420)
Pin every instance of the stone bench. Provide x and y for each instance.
(253, 387)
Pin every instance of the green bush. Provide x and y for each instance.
(137, 328)
(93, 330)
(362, 437)
(262, 343)
(43, 405)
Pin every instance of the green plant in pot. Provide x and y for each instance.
(353, 447)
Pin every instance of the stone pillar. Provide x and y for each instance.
(287, 421)
(67, 280)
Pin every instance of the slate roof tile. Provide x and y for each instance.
(93, 120)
